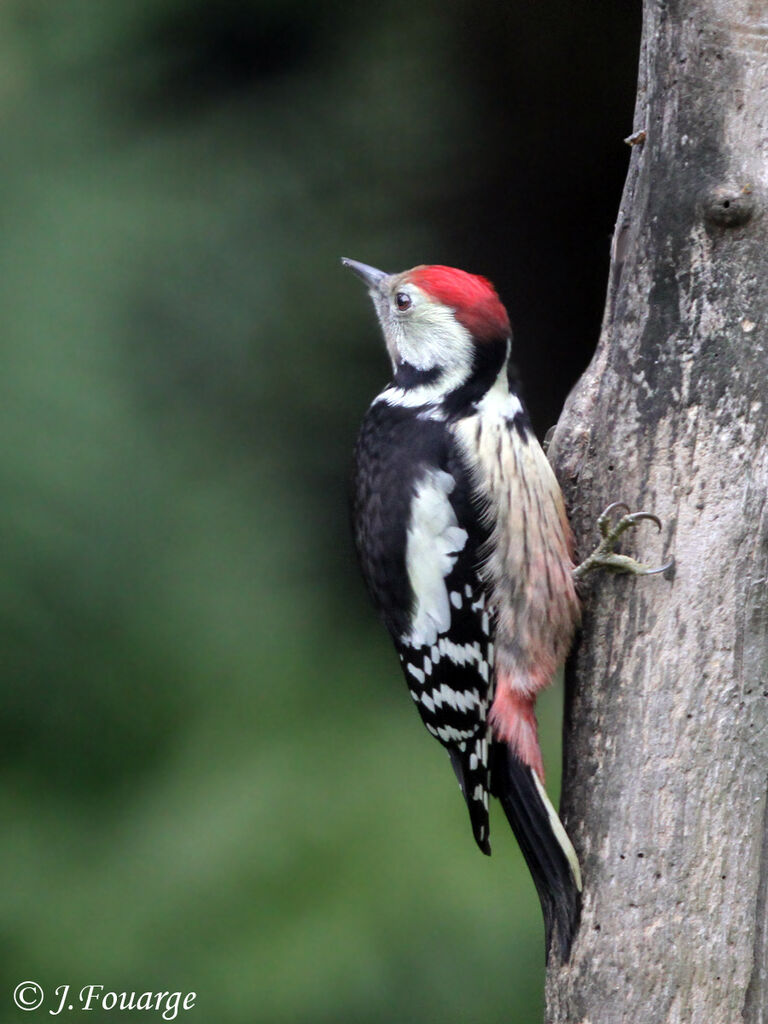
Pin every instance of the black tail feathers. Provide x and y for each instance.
(547, 850)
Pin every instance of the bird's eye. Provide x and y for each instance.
(402, 301)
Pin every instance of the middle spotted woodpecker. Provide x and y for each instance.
(465, 547)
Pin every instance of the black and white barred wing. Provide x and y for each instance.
(447, 648)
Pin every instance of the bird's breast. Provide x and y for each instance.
(529, 559)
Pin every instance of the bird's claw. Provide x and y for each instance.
(629, 519)
(604, 557)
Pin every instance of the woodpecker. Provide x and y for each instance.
(464, 544)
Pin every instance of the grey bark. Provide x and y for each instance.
(666, 733)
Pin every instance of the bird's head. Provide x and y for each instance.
(446, 330)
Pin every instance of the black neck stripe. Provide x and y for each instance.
(407, 376)
(489, 357)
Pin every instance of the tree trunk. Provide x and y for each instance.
(666, 752)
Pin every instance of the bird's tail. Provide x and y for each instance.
(547, 849)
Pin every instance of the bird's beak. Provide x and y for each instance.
(370, 275)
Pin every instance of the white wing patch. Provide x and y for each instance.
(433, 545)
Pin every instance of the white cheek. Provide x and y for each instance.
(431, 337)
(391, 327)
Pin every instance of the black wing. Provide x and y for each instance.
(419, 536)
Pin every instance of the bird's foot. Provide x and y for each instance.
(604, 557)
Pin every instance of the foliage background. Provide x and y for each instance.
(211, 777)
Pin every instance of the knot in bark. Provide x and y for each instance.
(728, 206)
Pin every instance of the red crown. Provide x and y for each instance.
(472, 298)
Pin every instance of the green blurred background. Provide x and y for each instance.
(211, 775)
